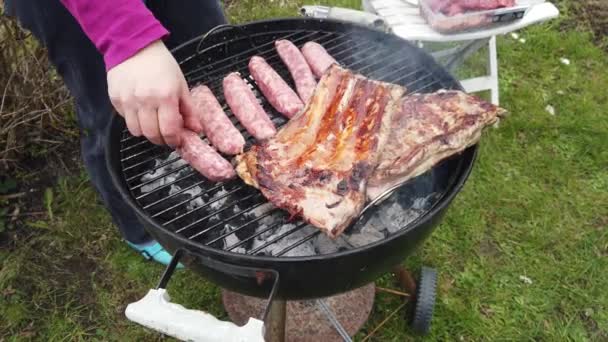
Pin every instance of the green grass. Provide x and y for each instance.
(536, 205)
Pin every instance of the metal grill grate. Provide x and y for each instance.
(168, 189)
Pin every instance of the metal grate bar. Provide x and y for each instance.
(140, 153)
(224, 67)
(409, 85)
(177, 170)
(173, 195)
(226, 207)
(256, 234)
(143, 142)
(226, 220)
(274, 59)
(296, 244)
(165, 185)
(130, 137)
(157, 156)
(284, 235)
(197, 208)
(259, 218)
(426, 86)
(242, 53)
(153, 169)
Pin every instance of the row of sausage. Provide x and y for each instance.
(305, 66)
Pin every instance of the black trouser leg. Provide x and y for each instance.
(81, 67)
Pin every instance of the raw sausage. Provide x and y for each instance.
(318, 58)
(246, 108)
(204, 158)
(298, 67)
(217, 127)
(275, 89)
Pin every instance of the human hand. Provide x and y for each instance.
(151, 93)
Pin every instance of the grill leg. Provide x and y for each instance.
(162, 284)
(406, 280)
(275, 321)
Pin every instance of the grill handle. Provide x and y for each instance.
(345, 14)
(227, 26)
(156, 311)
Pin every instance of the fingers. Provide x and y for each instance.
(170, 123)
(132, 121)
(148, 121)
(192, 119)
(128, 113)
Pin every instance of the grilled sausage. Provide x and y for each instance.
(217, 127)
(317, 58)
(203, 158)
(298, 67)
(246, 108)
(275, 89)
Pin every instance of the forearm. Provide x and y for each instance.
(118, 28)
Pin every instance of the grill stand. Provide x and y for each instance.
(294, 321)
(275, 322)
(336, 318)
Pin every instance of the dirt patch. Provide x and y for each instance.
(489, 248)
(26, 203)
(593, 14)
(593, 329)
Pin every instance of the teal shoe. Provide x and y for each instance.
(154, 251)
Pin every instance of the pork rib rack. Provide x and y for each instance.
(318, 165)
(426, 129)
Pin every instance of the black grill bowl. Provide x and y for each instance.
(374, 54)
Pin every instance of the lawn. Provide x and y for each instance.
(522, 253)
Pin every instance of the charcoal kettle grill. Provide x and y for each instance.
(228, 233)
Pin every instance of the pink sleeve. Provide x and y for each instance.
(118, 28)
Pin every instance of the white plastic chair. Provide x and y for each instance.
(402, 18)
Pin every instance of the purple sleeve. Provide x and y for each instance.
(118, 28)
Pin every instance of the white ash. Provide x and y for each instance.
(366, 236)
(325, 245)
(167, 169)
(260, 211)
(215, 203)
(302, 250)
(192, 192)
(232, 239)
(157, 173)
(393, 217)
(174, 189)
(198, 201)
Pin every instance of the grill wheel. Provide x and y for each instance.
(421, 312)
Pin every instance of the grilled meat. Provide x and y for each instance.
(427, 129)
(318, 58)
(217, 126)
(318, 164)
(298, 67)
(274, 88)
(245, 106)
